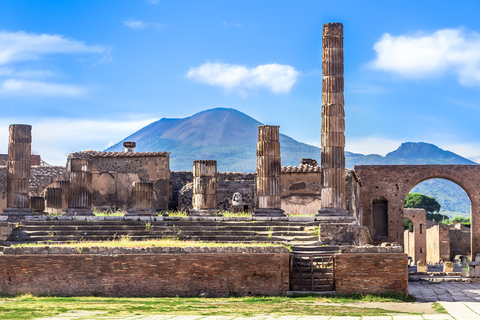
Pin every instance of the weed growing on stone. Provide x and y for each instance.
(109, 213)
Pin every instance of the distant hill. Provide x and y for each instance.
(230, 136)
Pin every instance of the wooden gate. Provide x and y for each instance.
(312, 273)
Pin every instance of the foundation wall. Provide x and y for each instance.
(371, 273)
(128, 275)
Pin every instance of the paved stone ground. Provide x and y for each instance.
(444, 291)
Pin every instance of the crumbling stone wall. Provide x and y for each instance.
(40, 178)
(371, 273)
(438, 243)
(393, 182)
(301, 190)
(163, 274)
(228, 184)
(459, 240)
(416, 245)
(114, 172)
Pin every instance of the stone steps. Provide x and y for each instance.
(217, 231)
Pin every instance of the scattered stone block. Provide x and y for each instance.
(422, 266)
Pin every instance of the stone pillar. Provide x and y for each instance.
(64, 185)
(80, 191)
(53, 200)
(18, 171)
(204, 198)
(142, 199)
(268, 172)
(333, 122)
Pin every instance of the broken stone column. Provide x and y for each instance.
(18, 171)
(64, 185)
(142, 199)
(37, 204)
(204, 198)
(268, 172)
(80, 191)
(53, 200)
(333, 122)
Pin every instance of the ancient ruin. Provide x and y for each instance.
(268, 172)
(333, 122)
(18, 171)
(331, 247)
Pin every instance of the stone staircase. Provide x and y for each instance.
(301, 234)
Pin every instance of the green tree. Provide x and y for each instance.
(418, 200)
(431, 206)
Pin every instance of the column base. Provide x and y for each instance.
(78, 212)
(204, 212)
(264, 212)
(328, 212)
(141, 212)
(17, 212)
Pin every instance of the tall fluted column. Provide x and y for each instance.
(268, 172)
(18, 170)
(204, 187)
(142, 199)
(53, 200)
(80, 194)
(333, 122)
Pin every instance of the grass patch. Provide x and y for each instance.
(439, 308)
(29, 307)
(127, 242)
(108, 213)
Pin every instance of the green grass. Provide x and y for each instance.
(29, 307)
(125, 241)
(439, 308)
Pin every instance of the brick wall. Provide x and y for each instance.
(393, 182)
(459, 240)
(124, 275)
(371, 273)
(418, 240)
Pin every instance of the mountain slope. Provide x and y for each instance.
(230, 137)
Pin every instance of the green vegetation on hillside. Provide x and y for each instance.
(418, 200)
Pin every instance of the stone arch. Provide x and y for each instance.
(395, 181)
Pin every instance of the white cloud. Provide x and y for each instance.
(274, 77)
(155, 2)
(21, 46)
(72, 135)
(39, 88)
(136, 24)
(231, 24)
(426, 55)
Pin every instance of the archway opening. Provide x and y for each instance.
(380, 219)
(448, 212)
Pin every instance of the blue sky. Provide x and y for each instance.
(86, 74)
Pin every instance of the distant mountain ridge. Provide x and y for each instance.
(230, 136)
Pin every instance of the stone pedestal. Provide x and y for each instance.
(142, 199)
(268, 172)
(204, 198)
(333, 122)
(37, 204)
(18, 171)
(80, 191)
(53, 200)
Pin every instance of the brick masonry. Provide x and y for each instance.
(392, 183)
(126, 275)
(368, 273)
